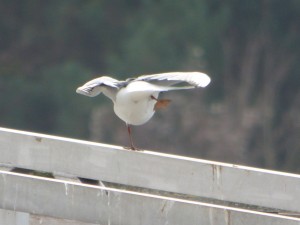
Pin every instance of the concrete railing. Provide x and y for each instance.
(139, 187)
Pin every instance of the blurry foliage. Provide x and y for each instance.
(46, 102)
(250, 48)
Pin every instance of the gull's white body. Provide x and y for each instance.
(135, 98)
(135, 107)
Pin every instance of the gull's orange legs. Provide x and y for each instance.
(130, 137)
(160, 103)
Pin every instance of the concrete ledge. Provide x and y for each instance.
(151, 170)
(8, 217)
(91, 204)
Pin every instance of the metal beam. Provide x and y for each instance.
(152, 170)
(92, 204)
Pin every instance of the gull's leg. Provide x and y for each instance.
(160, 103)
(130, 137)
(152, 97)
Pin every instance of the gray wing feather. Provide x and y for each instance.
(93, 87)
(195, 79)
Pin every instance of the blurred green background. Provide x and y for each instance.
(248, 115)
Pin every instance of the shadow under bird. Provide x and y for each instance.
(136, 99)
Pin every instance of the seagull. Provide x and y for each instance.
(136, 99)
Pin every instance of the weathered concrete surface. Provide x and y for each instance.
(92, 204)
(8, 217)
(42, 220)
(150, 170)
(13, 218)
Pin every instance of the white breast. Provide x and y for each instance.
(134, 104)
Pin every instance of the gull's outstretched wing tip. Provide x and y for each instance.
(201, 79)
(93, 88)
(81, 90)
(87, 91)
(195, 79)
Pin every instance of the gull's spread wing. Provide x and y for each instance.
(94, 87)
(194, 79)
